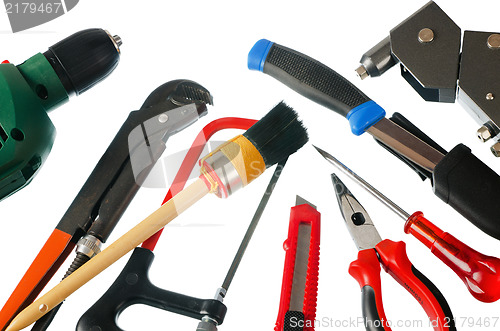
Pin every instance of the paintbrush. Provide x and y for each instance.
(231, 166)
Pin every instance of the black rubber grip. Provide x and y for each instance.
(370, 312)
(470, 187)
(450, 320)
(313, 80)
(370, 309)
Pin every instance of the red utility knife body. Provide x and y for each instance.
(299, 288)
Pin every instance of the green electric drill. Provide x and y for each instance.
(43, 82)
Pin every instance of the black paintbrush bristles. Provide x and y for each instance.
(278, 134)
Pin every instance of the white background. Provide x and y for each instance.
(208, 42)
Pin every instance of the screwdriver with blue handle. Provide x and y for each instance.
(373, 252)
(457, 176)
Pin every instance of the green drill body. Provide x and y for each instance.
(27, 92)
(32, 89)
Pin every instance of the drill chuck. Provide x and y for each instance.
(84, 59)
(36, 86)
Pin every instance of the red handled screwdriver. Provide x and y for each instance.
(479, 272)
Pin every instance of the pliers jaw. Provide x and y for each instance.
(180, 92)
(358, 222)
(172, 107)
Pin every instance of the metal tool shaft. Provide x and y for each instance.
(253, 225)
(373, 191)
(405, 144)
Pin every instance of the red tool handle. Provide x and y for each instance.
(480, 273)
(366, 270)
(301, 214)
(392, 256)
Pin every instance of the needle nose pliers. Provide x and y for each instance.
(374, 252)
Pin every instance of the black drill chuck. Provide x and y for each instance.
(84, 59)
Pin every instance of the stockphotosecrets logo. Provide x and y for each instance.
(26, 14)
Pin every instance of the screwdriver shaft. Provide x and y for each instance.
(373, 191)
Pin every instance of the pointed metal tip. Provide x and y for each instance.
(320, 151)
(329, 157)
(340, 188)
(335, 179)
(301, 201)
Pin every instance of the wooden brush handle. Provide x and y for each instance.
(114, 252)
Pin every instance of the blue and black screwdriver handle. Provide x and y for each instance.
(458, 177)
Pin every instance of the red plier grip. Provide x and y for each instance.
(392, 256)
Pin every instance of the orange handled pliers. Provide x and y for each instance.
(113, 183)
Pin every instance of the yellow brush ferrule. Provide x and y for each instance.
(245, 158)
(233, 165)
